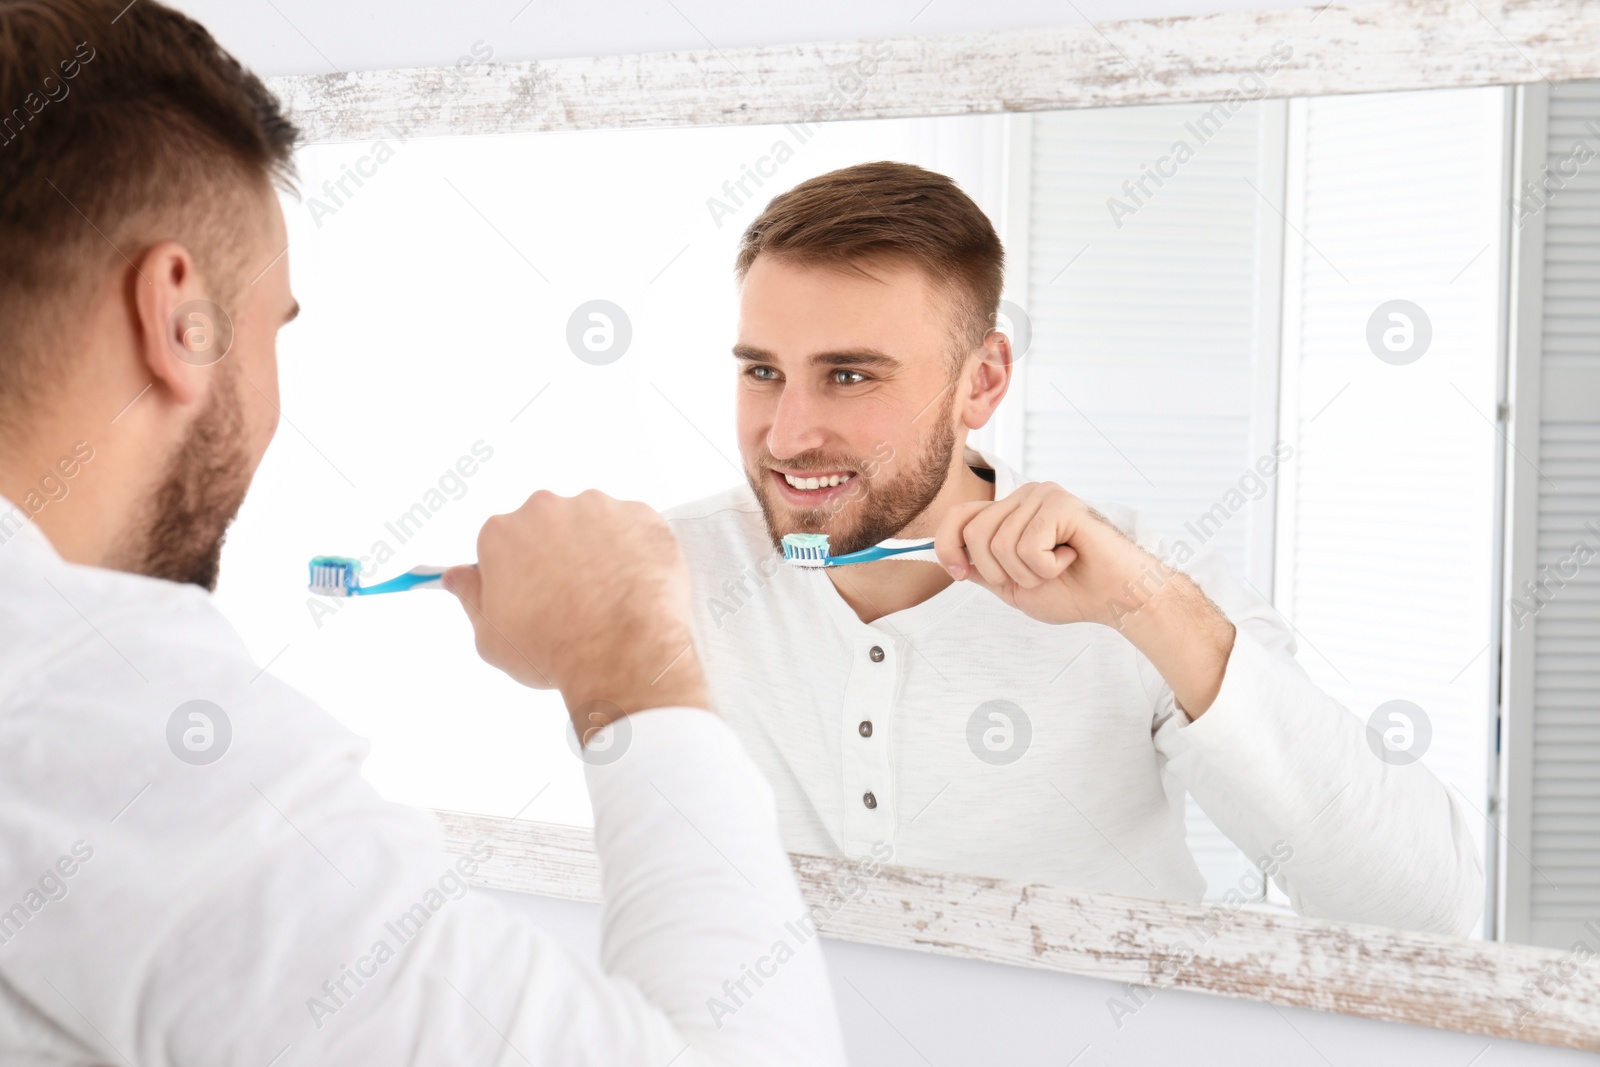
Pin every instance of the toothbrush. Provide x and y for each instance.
(811, 550)
(337, 576)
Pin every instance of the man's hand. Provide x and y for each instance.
(588, 595)
(1048, 554)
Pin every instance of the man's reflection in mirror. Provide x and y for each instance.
(1037, 703)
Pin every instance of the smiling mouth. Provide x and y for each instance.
(811, 487)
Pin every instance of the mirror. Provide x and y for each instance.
(1273, 332)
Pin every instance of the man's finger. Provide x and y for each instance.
(979, 537)
(466, 583)
(1038, 543)
(949, 542)
(1009, 549)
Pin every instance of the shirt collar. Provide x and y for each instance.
(16, 525)
(1006, 479)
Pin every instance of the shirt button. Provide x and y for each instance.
(875, 654)
(869, 800)
(866, 728)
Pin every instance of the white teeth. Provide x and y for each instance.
(817, 483)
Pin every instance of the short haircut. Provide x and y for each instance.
(890, 212)
(121, 126)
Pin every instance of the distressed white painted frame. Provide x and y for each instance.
(1455, 984)
(1478, 987)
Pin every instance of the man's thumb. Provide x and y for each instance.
(466, 582)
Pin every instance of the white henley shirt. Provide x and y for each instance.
(875, 733)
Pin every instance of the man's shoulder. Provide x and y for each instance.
(52, 611)
(729, 521)
(99, 647)
(733, 506)
(720, 533)
(116, 673)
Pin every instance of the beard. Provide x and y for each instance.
(201, 492)
(874, 508)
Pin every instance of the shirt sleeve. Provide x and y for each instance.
(702, 911)
(270, 904)
(1287, 772)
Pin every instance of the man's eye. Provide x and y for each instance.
(848, 377)
(763, 374)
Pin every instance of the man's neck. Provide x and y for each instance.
(78, 488)
(874, 590)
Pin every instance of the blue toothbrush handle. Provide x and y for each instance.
(415, 578)
(876, 552)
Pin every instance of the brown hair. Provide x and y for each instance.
(875, 212)
(120, 126)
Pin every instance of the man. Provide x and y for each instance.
(192, 870)
(1036, 707)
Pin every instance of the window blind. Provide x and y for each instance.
(1149, 364)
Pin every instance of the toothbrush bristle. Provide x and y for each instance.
(334, 575)
(806, 550)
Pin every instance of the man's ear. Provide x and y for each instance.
(176, 329)
(987, 379)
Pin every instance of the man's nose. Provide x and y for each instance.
(797, 425)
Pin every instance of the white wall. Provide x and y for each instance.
(897, 1007)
